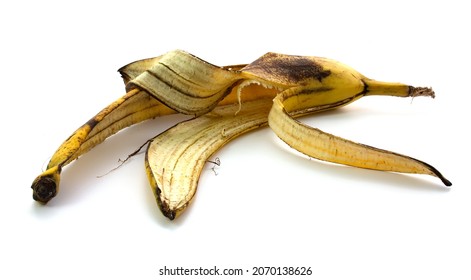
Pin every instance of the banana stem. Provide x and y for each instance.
(374, 87)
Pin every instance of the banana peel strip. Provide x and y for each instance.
(227, 102)
(327, 147)
(176, 157)
(185, 83)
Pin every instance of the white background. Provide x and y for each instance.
(267, 206)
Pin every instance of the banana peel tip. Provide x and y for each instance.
(44, 189)
(446, 181)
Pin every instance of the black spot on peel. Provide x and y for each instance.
(286, 68)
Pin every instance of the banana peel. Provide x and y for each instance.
(176, 157)
(227, 102)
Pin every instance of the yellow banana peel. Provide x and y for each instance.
(227, 102)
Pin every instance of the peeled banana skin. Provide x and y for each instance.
(227, 102)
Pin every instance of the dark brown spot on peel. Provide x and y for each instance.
(163, 205)
(291, 69)
(92, 122)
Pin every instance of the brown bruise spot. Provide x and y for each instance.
(92, 122)
(291, 69)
